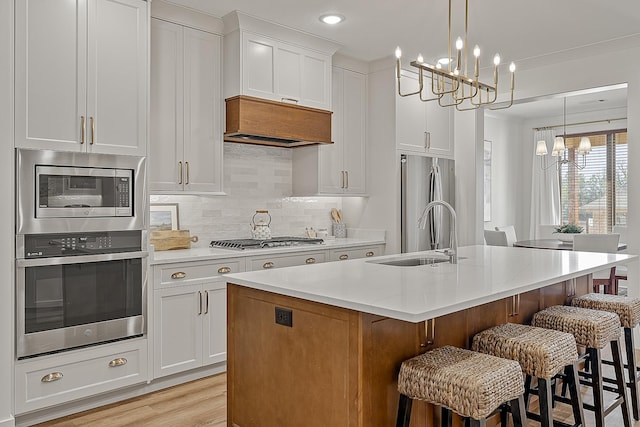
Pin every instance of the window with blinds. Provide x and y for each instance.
(595, 196)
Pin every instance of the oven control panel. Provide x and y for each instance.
(73, 244)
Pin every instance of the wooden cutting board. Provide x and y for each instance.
(165, 240)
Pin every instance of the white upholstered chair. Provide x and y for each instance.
(546, 231)
(495, 238)
(607, 243)
(510, 232)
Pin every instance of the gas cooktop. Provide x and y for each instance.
(266, 243)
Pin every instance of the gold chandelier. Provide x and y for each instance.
(452, 87)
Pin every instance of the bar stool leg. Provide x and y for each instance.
(598, 397)
(572, 381)
(445, 417)
(632, 371)
(518, 412)
(478, 423)
(620, 380)
(404, 411)
(527, 391)
(545, 396)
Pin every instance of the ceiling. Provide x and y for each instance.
(520, 30)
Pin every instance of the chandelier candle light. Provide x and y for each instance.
(560, 150)
(452, 87)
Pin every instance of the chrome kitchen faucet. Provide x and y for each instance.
(453, 236)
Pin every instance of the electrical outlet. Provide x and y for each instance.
(284, 317)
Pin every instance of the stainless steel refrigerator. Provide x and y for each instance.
(424, 179)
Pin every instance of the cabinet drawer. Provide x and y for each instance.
(355, 253)
(268, 262)
(172, 274)
(57, 379)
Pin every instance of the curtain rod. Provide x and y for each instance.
(580, 123)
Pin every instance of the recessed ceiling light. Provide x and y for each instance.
(332, 19)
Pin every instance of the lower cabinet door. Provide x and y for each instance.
(215, 323)
(178, 329)
(60, 378)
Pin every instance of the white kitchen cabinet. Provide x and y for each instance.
(344, 254)
(81, 75)
(267, 262)
(339, 168)
(186, 110)
(190, 316)
(280, 71)
(60, 378)
(422, 127)
(284, 72)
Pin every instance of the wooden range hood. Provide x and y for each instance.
(259, 121)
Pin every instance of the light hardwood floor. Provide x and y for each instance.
(203, 403)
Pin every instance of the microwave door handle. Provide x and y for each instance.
(80, 259)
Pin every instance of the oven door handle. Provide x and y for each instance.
(80, 259)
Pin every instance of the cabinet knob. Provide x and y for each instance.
(343, 257)
(223, 270)
(267, 265)
(179, 275)
(310, 261)
(54, 376)
(120, 361)
(370, 253)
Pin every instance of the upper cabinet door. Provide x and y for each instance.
(355, 131)
(258, 66)
(411, 119)
(81, 75)
(117, 76)
(166, 107)
(279, 71)
(50, 73)
(202, 112)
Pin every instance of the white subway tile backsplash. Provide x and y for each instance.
(255, 178)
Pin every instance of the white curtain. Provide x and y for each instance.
(545, 188)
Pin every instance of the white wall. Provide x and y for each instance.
(507, 187)
(6, 215)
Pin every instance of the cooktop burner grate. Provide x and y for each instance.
(266, 243)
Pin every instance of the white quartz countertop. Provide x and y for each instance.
(204, 254)
(483, 274)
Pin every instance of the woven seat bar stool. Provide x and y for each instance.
(542, 353)
(628, 309)
(471, 384)
(592, 329)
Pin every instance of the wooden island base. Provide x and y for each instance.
(338, 367)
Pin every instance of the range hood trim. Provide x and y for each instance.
(251, 120)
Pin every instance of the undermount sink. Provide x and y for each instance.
(411, 262)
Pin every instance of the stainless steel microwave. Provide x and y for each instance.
(71, 192)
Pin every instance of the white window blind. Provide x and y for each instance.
(595, 197)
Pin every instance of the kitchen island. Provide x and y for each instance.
(321, 345)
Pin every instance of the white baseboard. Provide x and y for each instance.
(9, 422)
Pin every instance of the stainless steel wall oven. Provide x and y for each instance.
(81, 251)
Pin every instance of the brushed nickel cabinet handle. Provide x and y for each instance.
(430, 332)
(517, 304)
(343, 257)
(179, 275)
(206, 302)
(180, 173)
(223, 270)
(429, 140)
(289, 99)
(120, 361)
(342, 182)
(426, 143)
(310, 261)
(346, 173)
(187, 166)
(267, 265)
(368, 254)
(54, 376)
(93, 129)
(83, 129)
(200, 300)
